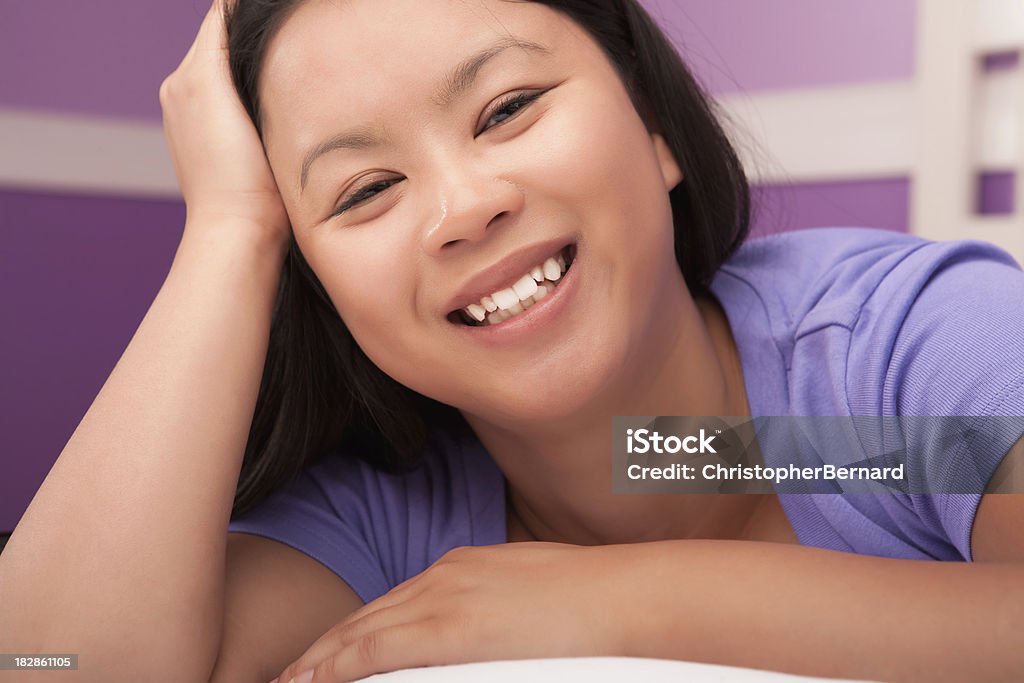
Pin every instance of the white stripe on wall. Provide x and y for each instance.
(823, 134)
(997, 25)
(82, 154)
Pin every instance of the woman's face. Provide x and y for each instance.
(437, 186)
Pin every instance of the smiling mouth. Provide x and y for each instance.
(507, 304)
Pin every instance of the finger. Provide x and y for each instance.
(399, 605)
(209, 24)
(213, 31)
(409, 589)
(343, 636)
(404, 646)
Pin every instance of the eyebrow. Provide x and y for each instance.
(456, 83)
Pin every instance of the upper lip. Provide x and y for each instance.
(504, 273)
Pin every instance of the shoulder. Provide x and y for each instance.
(825, 276)
(451, 468)
(870, 323)
(376, 529)
(949, 330)
(820, 314)
(875, 300)
(809, 255)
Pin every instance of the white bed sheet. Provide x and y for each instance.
(592, 670)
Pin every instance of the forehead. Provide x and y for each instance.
(335, 63)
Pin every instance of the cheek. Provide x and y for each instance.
(599, 159)
(369, 286)
(374, 292)
(598, 151)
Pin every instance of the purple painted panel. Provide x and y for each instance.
(995, 194)
(105, 57)
(778, 44)
(108, 57)
(77, 274)
(871, 203)
(1000, 61)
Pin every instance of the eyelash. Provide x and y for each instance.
(522, 99)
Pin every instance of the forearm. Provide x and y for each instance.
(120, 555)
(818, 612)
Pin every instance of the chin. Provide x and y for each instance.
(575, 389)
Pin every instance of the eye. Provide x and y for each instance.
(511, 106)
(506, 109)
(363, 194)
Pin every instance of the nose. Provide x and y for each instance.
(471, 205)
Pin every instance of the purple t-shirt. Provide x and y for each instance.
(833, 321)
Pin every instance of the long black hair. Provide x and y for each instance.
(319, 390)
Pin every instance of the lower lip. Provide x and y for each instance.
(531, 322)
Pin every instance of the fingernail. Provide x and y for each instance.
(304, 677)
(275, 680)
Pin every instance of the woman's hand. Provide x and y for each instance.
(510, 601)
(218, 157)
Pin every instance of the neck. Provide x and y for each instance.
(559, 474)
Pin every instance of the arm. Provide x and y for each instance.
(813, 611)
(120, 556)
(752, 604)
(741, 603)
(820, 612)
(998, 535)
(277, 601)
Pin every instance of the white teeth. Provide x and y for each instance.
(551, 270)
(505, 298)
(527, 290)
(525, 287)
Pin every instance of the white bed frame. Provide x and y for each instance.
(942, 129)
(955, 35)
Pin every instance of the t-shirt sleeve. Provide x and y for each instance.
(374, 529)
(960, 352)
(322, 513)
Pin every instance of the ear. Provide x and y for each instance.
(666, 160)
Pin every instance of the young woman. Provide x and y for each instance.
(426, 475)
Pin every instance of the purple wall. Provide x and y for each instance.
(108, 57)
(104, 57)
(781, 44)
(77, 274)
(868, 203)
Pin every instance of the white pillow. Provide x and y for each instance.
(591, 669)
